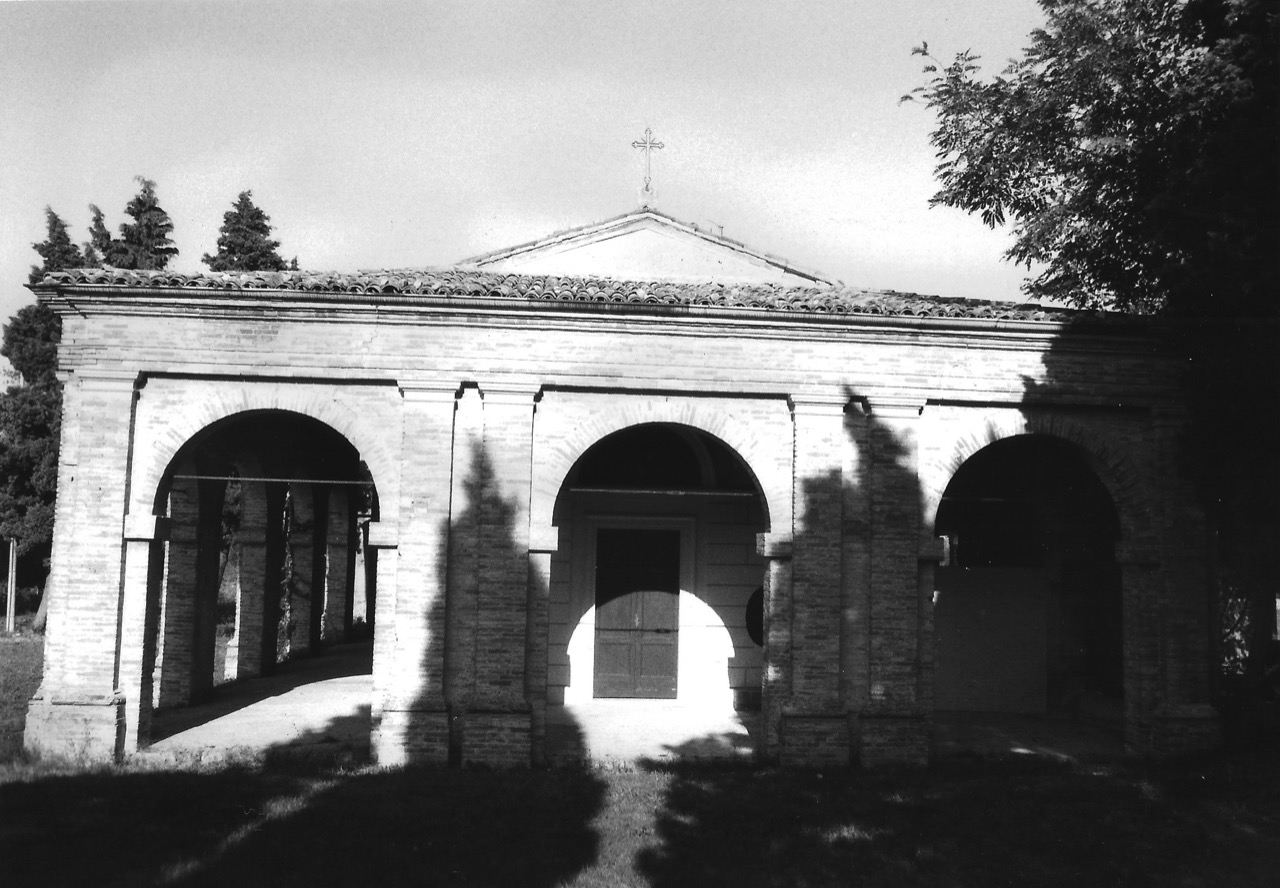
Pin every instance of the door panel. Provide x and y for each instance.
(637, 612)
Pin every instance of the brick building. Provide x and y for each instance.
(631, 460)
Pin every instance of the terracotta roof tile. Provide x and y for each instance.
(472, 283)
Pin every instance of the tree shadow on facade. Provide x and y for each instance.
(867, 560)
(483, 665)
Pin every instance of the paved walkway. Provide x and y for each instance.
(316, 704)
(320, 706)
(620, 731)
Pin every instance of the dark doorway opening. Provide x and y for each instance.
(637, 612)
(1028, 614)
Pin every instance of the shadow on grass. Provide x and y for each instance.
(309, 826)
(1014, 821)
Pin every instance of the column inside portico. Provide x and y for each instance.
(249, 561)
(273, 557)
(299, 597)
(139, 619)
(336, 551)
(175, 654)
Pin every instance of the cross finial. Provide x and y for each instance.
(648, 146)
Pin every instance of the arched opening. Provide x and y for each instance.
(1027, 613)
(652, 585)
(263, 564)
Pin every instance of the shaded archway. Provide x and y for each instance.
(1028, 611)
(656, 568)
(263, 511)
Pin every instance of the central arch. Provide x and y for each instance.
(652, 582)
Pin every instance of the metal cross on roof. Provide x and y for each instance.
(648, 146)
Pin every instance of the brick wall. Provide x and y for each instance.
(469, 422)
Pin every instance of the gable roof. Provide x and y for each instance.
(646, 245)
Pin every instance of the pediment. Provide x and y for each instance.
(645, 245)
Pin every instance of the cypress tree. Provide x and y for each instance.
(57, 250)
(244, 241)
(144, 244)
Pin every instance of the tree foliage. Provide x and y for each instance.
(1132, 149)
(57, 250)
(244, 241)
(30, 419)
(99, 243)
(144, 243)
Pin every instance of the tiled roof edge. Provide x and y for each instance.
(472, 283)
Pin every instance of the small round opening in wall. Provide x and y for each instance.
(755, 616)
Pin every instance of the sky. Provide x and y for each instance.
(382, 135)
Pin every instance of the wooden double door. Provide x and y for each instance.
(637, 612)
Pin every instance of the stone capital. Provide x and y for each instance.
(818, 405)
(427, 391)
(896, 406)
(935, 548)
(100, 380)
(774, 545)
(383, 535)
(143, 527)
(510, 394)
(544, 538)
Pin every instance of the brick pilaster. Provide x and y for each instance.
(498, 727)
(894, 726)
(776, 683)
(412, 562)
(76, 710)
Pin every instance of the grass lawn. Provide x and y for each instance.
(21, 662)
(980, 822)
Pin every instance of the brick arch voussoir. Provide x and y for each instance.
(714, 420)
(1116, 471)
(344, 420)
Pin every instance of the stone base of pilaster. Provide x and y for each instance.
(413, 736)
(814, 741)
(498, 739)
(893, 738)
(79, 729)
(1178, 730)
